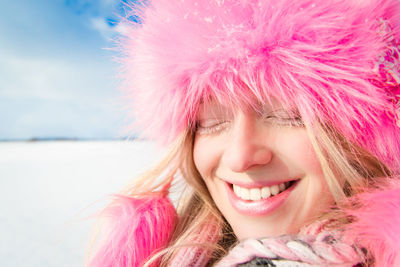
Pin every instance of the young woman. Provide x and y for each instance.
(282, 119)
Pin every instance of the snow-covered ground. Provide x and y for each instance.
(48, 189)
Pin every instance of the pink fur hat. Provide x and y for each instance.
(336, 61)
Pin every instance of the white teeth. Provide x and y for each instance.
(236, 189)
(245, 193)
(265, 192)
(258, 193)
(255, 194)
(274, 190)
(282, 187)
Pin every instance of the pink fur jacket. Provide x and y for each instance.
(371, 239)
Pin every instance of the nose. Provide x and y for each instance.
(247, 146)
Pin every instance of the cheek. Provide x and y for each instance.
(303, 156)
(205, 156)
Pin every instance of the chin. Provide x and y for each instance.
(261, 227)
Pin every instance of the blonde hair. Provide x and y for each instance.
(347, 168)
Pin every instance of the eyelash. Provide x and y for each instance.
(280, 121)
(211, 129)
(286, 121)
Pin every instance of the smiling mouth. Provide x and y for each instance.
(260, 193)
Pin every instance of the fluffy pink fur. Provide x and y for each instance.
(318, 55)
(134, 230)
(376, 225)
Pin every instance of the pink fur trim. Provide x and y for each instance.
(134, 230)
(318, 55)
(377, 224)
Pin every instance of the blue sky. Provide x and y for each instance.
(56, 77)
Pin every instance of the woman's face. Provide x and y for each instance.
(260, 170)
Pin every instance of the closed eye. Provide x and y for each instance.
(211, 126)
(282, 118)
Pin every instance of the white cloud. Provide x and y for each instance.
(100, 24)
(54, 76)
(57, 97)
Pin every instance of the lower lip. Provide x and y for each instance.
(258, 207)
